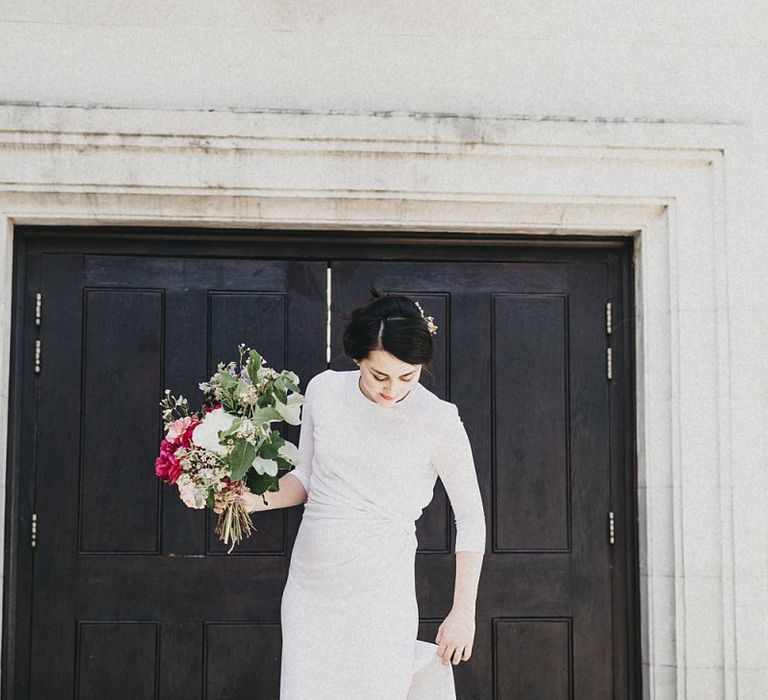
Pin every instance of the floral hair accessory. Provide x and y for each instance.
(431, 325)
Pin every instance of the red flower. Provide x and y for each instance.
(186, 436)
(167, 467)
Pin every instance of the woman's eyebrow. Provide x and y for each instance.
(385, 374)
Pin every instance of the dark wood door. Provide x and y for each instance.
(522, 350)
(128, 593)
(134, 595)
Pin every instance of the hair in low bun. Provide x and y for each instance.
(389, 322)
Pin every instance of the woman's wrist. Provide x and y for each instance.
(255, 503)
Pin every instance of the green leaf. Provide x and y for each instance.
(210, 500)
(259, 483)
(253, 365)
(265, 414)
(224, 434)
(281, 394)
(291, 382)
(230, 405)
(227, 380)
(283, 463)
(240, 459)
(268, 449)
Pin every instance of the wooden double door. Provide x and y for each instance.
(114, 589)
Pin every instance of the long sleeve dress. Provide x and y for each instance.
(349, 613)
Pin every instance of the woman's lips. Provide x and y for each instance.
(388, 398)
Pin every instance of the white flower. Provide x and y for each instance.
(290, 411)
(265, 466)
(192, 496)
(205, 435)
(289, 452)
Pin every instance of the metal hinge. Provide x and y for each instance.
(38, 319)
(34, 529)
(611, 528)
(609, 354)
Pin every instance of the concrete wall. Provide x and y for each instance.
(678, 60)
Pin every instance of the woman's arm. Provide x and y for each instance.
(468, 567)
(456, 634)
(455, 465)
(291, 493)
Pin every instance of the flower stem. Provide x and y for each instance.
(234, 525)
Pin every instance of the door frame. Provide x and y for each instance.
(661, 184)
(615, 252)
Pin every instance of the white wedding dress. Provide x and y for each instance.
(349, 612)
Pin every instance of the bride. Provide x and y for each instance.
(373, 442)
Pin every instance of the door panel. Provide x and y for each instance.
(521, 351)
(132, 589)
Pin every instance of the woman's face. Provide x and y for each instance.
(385, 379)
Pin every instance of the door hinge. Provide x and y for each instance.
(611, 528)
(609, 352)
(38, 319)
(34, 529)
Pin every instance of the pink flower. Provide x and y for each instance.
(178, 427)
(167, 467)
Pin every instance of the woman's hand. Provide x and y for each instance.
(250, 500)
(456, 635)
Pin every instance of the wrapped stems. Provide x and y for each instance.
(234, 523)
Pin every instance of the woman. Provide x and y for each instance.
(373, 442)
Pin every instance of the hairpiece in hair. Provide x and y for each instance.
(429, 319)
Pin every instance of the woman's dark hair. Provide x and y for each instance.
(390, 322)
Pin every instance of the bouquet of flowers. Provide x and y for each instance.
(228, 448)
